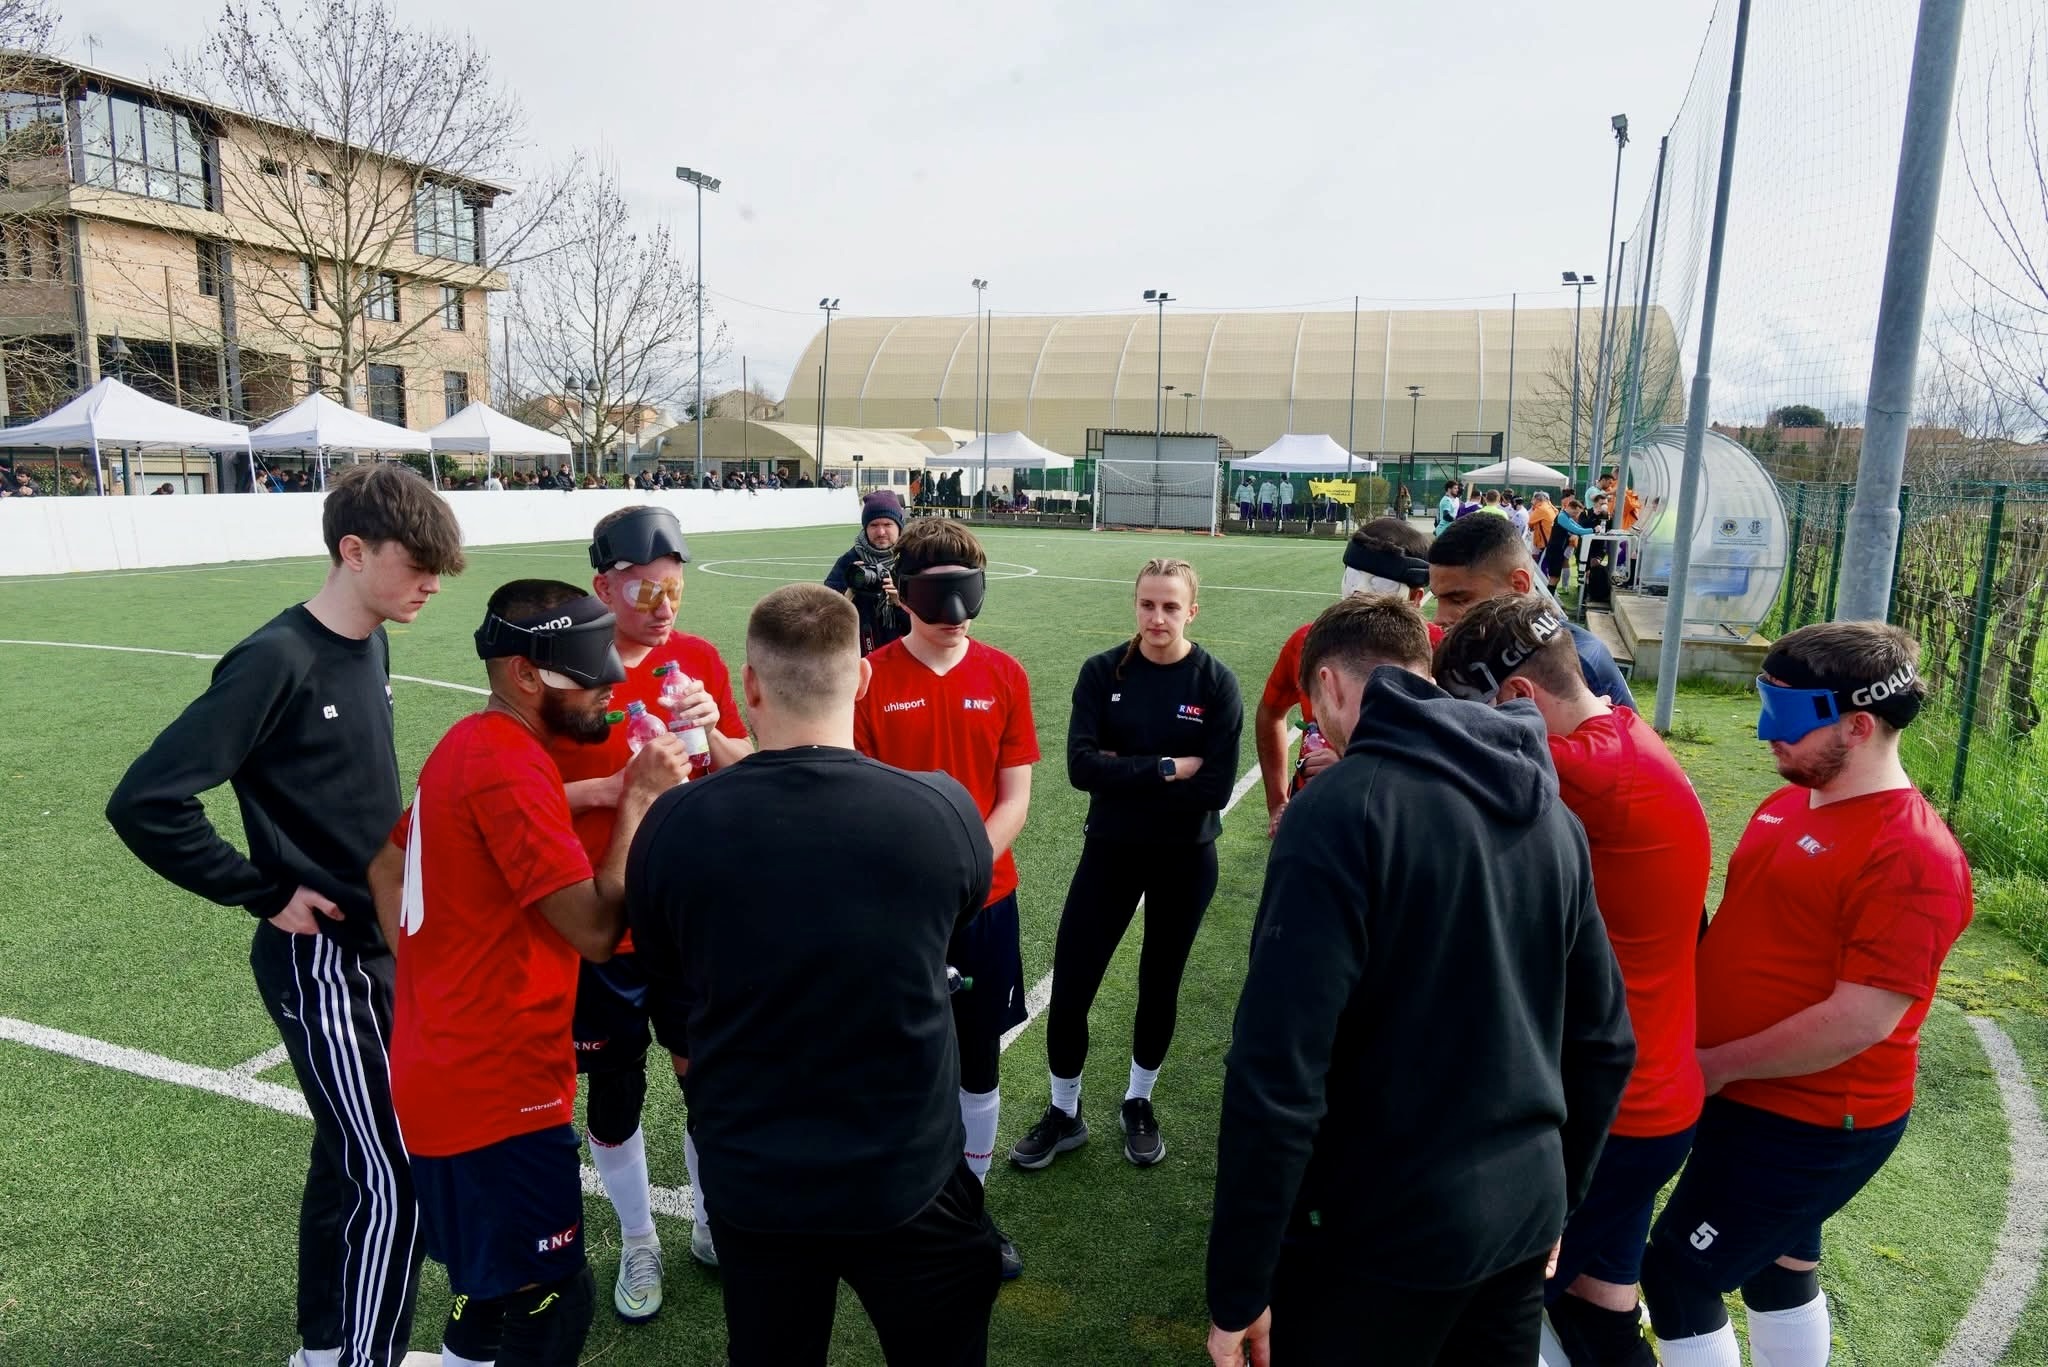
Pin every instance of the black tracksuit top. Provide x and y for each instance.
(298, 720)
(1122, 727)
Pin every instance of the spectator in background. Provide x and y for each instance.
(1489, 503)
(1286, 498)
(1447, 506)
(1269, 499)
(1519, 515)
(1245, 494)
(1404, 503)
(164, 488)
(1542, 514)
(493, 483)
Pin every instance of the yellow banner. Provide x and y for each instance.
(1336, 490)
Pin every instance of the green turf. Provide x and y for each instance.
(141, 1221)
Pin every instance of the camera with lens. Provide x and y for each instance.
(866, 576)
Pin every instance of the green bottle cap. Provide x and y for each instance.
(614, 718)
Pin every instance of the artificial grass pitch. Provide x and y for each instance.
(145, 1221)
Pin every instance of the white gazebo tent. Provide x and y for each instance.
(1303, 453)
(110, 414)
(1009, 451)
(1515, 470)
(319, 425)
(482, 430)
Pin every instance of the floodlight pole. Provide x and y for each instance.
(980, 423)
(1578, 284)
(1351, 414)
(1702, 385)
(1620, 125)
(1162, 299)
(1869, 550)
(1508, 438)
(830, 306)
(703, 183)
(1641, 330)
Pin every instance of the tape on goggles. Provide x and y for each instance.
(1387, 562)
(570, 644)
(949, 599)
(641, 538)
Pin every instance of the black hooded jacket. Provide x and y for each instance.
(1432, 1038)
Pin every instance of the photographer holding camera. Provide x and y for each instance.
(866, 572)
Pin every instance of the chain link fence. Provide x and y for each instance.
(1971, 584)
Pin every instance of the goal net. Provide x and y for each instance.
(1164, 493)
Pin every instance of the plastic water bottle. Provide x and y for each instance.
(696, 745)
(1312, 740)
(641, 726)
(956, 981)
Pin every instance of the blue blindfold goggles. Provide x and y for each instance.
(1792, 714)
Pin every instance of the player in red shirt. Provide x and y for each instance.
(638, 555)
(1652, 857)
(1843, 898)
(941, 700)
(1386, 555)
(488, 897)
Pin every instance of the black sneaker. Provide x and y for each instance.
(1142, 1144)
(1013, 1262)
(1055, 1133)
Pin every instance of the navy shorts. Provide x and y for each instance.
(1758, 1187)
(610, 1028)
(1605, 1236)
(504, 1216)
(989, 950)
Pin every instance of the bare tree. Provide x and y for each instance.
(605, 317)
(36, 366)
(1548, 413)
(2000, 340)
(367, 155)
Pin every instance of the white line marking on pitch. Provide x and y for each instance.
(238, 1085)
(262, 1063)
(1988, 1326)
(202, 655)
(1040, 995)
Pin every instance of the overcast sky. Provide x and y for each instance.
(1078, 152)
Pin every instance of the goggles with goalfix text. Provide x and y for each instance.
(1792, 714)
(571, 645)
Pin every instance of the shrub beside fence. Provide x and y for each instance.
(1970, 581)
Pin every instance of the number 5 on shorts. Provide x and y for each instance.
(1703, 1237)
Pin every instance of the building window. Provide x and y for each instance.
(319, 180)
(31, 125)
(209, 268)
(31, 251)
(140, 148)
(451, 309)
(455, 385)
(270, 166)
(387, 394)
(382, 302)
(445, 222)
(309, 286)
(316, 376)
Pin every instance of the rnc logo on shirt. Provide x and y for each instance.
(1811, 846)
(978, 704)
(1190, 712)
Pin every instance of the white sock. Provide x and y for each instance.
(624, 1170)
(1066, 1093)
(450, 1358)
(1798, 1337)
(320, 1357)
(696, 1187)
(1141, 1082)
(978, 1112)
(1704, 1350)
(1549, 1352)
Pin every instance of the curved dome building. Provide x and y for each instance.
(1249, 377)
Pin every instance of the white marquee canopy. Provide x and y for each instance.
(1303, 453)
(1515, 470)
(112, 414)
(318, 423)
(482, 430)
(1009, 451)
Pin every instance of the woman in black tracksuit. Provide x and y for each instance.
(1153, 742)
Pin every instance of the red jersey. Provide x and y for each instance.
(1652, 857)
(968, 723)
(480, 1044)
(697, 658)
(1870, 890)
(1283, 685)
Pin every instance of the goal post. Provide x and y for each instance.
(1174, 484)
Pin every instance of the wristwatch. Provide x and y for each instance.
(1166, 769)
